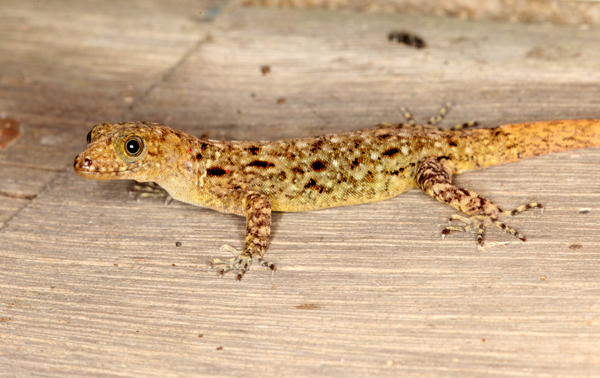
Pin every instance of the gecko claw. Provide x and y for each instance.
(240, 263)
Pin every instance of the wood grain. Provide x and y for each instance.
(92, 282)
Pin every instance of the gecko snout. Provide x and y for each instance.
(83, 164)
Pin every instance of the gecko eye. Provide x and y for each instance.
(130, 148)
(89, 137)
(133, 146)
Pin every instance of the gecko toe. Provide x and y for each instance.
(482, 222)
(240, 264)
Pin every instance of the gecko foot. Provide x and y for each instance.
(149, 190)
(430, 124)
(240, 263)
(481, 222)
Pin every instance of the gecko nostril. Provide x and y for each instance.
(87, 162)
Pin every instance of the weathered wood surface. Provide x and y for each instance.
(566, 12)
(92, 283)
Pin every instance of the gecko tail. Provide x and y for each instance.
(539, 138)
(508, 143)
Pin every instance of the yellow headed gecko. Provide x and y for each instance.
(252, 179)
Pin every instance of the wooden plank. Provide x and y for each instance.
(9, 207)
(107, 287)
(65, 67)
(93, 283)
(351, 76)
(88, 62)
(580, 12)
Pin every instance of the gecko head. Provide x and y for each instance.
(121, 151)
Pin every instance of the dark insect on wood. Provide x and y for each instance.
(407, 38)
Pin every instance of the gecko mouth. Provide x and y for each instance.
(85, 167)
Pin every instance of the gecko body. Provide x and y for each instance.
(252, 179)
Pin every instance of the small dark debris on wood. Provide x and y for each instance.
(177, 244)
(265, 69)
(575, 246)
(281, 101)
(409, 39)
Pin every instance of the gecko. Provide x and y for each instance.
(253, 179)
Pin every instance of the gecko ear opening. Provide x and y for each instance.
(130, 148)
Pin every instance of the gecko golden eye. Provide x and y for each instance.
(89, 137)
(130, 148)
(133, 147)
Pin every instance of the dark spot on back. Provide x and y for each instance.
(261, 164)
(198, 156)
(369, 177)
(354, 163)
(318, 165)
(298, 170)
(282, 176)
(254, 150)
(312, 184)
(316, 146)
(391, 152)
(215, 171)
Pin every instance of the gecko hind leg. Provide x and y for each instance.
(466, 125)
(434, 177)
(442, 114)
(410, 122)
(240, 263)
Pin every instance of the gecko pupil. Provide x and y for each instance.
(133, 146)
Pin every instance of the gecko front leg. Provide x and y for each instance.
(434, 177)
(257, 210)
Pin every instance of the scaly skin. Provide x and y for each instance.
(252, 179)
